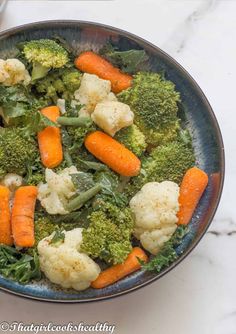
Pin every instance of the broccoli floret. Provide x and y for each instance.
(165, 162)
(132, 138)
(16, 152)
(44, 54)
(60, 83)
(154, 103)
(71, 79)
(108, 235)
(44, 226)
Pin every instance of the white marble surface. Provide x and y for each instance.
(199, 296)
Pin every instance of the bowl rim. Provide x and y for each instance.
(11, 31)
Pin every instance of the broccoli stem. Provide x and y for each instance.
(74, 121)
(39, 71)
(77, 202)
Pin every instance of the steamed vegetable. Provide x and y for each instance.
(192, 187)
(167, 253)
(92, 63)
(118, 271)
(64, 263)
(12, 72)
(5, 219)
(22, 217)
(154, 103)
(112, 153)
(132, 138)
(44, 54)
(49, 140)
(18, 266)
(165, 162)
(108, 235)
(59, 83)
(129, 61)
(112, 116)
(16, 151)
(155, 209)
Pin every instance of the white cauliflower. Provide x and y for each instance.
(92, 90)
(63, 263)
(13, 71)
(111, 116)
(55, 193)
(12, 181)
(61, 103)
(155, 209)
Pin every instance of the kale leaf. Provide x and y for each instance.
(167, 253)
(18, 266)
(129, 61)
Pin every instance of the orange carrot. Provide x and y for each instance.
(115, 273)
(92, 63)
(49, 140)
(5, 217)
(22, 218)
(112, 153)
(191, 189)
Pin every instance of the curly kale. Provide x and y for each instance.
(18, 266)
(167, 253)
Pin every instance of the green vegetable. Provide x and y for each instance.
(59, 83)
(132, 138)
(81, 121)
(91, 165)
(108, 235)
(165, 162)
(167, 253)
(128, 61)
(77, 202)
(18, 266)
(45, 225)
(44, 54)
(82, 181)
(109, 182)
(35, 172)
(19, 106)
(154, 103)
(58, 237)
(16, 152)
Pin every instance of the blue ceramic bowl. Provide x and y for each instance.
(200, 120)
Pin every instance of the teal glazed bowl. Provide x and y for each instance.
(200, 120)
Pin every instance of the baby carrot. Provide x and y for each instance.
(5, 219)
(92, 63)
(112, 153)
(22, 218)
(115, 273)
(191, 189)
(49, 140)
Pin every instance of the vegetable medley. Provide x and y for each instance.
(97, 170)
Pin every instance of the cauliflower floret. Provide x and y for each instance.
(92, 91)
(13, 71)
(12, 181)
(54, 194)
(63, 264)
(112, 116)
(155, 209)
(61, 103)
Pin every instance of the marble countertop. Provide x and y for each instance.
(199, 296)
